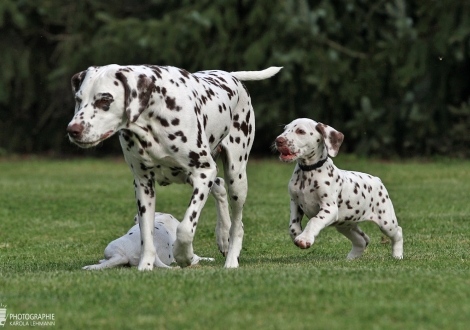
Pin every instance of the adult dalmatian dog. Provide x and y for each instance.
(329, 196)
(171, 123)
(125, 250)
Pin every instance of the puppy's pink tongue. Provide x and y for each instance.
(287, 156)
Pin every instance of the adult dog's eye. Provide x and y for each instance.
(103, 104)
(300, 131)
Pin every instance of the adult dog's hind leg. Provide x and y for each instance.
(237, 192)
(222, 229)
(237, 147)
(202, 182)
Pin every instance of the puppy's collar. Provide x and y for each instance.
(307, 168)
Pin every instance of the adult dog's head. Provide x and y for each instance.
(107, 98)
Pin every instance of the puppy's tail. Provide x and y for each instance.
(256, 75)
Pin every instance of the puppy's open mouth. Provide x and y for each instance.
(286, 154)
(83, 144)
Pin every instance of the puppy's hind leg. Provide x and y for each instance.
(358, 239)
(114, 261)
(396, 236)
(158, 263)
(392, 230)
(397, 244)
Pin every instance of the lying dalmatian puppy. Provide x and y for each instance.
(126, 249)
(329, 196)
(170, 124)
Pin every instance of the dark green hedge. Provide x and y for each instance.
(392, 75)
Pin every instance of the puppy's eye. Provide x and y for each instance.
(300, 131)
(78, 100)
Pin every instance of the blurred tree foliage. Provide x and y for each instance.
(392, 75)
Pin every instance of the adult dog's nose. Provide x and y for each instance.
(75, 130)
(280, 141)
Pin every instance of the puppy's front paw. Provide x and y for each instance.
(303, 242)
(197, 258)
(93, 267)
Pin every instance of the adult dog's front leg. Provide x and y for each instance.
(326, 216)
(145, 197)
(202, 182)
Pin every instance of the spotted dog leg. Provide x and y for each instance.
(397, 243)
(238, 192)
(358, 239)
(144, 193)
(295, 224)
(223, 216)
(202, 182)
(394, 232)
(326, 216)
(388, 224)
(235, 173)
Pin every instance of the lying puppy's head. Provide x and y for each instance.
(306, 139)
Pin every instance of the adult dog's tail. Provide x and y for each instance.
(256, 75)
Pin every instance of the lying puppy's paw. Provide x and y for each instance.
(94, 267)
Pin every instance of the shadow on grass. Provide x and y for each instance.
(298, 259)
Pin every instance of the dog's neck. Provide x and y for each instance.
(313, 161)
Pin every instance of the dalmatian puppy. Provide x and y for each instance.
(329, 196)
(171, 123)
(126, 249)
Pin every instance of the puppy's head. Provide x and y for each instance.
(306, 139)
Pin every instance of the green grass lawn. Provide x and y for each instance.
(58, 216)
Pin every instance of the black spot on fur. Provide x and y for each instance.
(163, 121)
(194, 159)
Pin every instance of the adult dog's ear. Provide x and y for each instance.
(137, 93)
(332, 138)
(77, 80)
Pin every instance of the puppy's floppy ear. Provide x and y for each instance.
(332, 138)
(77, 80)
(137, 92)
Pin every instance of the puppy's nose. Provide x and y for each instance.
(75, 130)
(280, 141)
